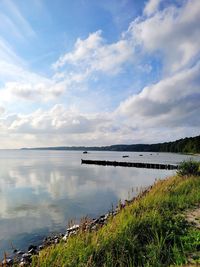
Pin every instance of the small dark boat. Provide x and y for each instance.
(85, 152)
(125, 156)
(140, 155)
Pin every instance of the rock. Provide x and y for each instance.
(73, 228)
(7, 262)
(41, 247)
(99, 220)
(95, 221)
(94, 227)
(65, 237)
(72, 233)
(56, 241)
(19, 252)
(47, 241)
(26, 256)
(32, 251)
(32, 247)
(102, 219)
(15, 250)
(23, 264)
(106, 216)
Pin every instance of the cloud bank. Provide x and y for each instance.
(163, 36)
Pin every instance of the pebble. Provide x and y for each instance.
(94, 227)
(56, 241)
(95, 221)
(24, 259)
(65, 237)
(19, 252)
(73, 228)
(22, 264)
(26, 256)
(32, 247)
(106, 216)
(7, 262)
(32, 251)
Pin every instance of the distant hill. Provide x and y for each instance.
(185, 145)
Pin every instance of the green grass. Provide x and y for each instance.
(149, 232)
(189, 167)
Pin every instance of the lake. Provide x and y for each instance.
(40, 191)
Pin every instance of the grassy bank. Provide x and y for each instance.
(151, 231)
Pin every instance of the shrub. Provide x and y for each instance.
(190, 167)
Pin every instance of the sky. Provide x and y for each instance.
(87, 72)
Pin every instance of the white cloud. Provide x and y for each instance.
(94, 54)
(19, 82)
(174, 32)
(151, 7)
(44, 90)
(173, 101)
(171, 105)
(57, 120)
(40, 90)
(2, 110)
(83, 50)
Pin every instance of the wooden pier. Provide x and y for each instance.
(130, 164)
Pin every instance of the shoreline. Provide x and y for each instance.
(158, 213)
(24, 257)
(92, 227)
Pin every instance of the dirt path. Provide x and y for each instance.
(193, 217)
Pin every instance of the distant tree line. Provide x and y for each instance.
(185, 145)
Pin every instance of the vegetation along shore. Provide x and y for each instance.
(188, 145)
(159, 227)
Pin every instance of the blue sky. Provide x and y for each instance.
(89, 72)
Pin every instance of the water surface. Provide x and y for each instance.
(40, 191)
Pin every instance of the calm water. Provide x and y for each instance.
(40, 191)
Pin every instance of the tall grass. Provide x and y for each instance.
(189, 167)
(149, 232)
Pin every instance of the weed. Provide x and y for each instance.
(188, 168)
